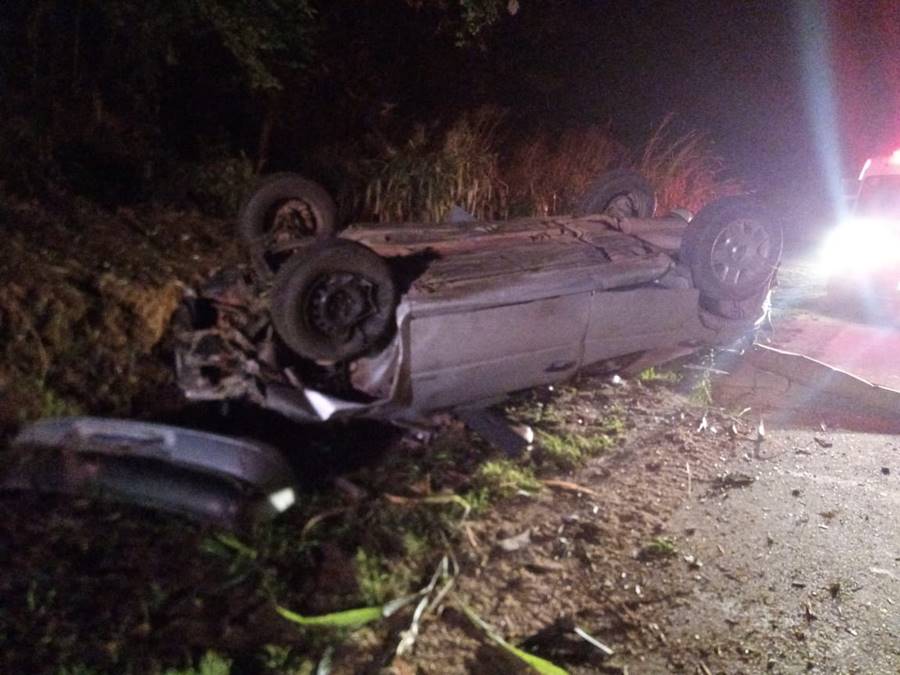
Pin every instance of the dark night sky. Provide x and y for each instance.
(732, 68)
(754, 74)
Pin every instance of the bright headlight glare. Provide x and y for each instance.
(860, 244)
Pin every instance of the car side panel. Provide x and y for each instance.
(468, 356)
(625, 322)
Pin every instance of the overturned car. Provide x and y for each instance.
(396, 321)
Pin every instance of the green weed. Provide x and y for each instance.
(281, 660)
(651, 374)
(661, 547)
(211, 664)
(501, 478)
(534, 663)
(44, 401)
(347, 619)
(377, 584)
(414, 545)
(570, 450)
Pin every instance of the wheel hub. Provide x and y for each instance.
(340, 303)
(740, 251)
(293, 219)
(621, 206)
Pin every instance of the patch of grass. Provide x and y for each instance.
(42, 400)
(661, 547)
(548, 174)
(701, 389)
(502, 478)
(377, 579)
(570, 450)
(414, 545)
(614, 425)
(219, 185)
(211, 664)
(381, 578)
(651, 374)
(701, 392)
(281, 660)
(479, 499)
(240, 560)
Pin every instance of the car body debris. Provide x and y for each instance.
(209, 477)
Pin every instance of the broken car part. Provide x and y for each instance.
(202, 475)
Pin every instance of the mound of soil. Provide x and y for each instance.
(85, 299)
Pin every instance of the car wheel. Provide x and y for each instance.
(621, 193)
(284, 212)
(333, 301)
(754, 307)
(733, 247)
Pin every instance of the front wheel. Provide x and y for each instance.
(733, 247)
(333, 301)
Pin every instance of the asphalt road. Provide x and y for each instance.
(799, 572)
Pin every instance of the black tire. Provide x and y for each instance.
(333, 301)
(618, 193)
(284, 212)
(750, 308)
(733, 247)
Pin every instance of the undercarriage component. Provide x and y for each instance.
(496, 430)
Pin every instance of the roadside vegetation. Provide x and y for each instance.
(315, 584)
(385, 549)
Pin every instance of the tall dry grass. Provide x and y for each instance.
(422, 179)
(547, 175)
(684, 169)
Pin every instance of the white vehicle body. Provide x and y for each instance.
(861, 256)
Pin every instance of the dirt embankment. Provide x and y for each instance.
(85, 298)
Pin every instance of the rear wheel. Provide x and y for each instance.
(621, 193)
(733, 247)
(333, 301)
(284, 213)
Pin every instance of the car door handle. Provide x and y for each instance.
(559, 366)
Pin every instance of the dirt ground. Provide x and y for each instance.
(785, 556)
(86, 295)
(678, 536)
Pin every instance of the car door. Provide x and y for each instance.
(491, 325)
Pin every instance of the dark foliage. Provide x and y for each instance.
(124, 100)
